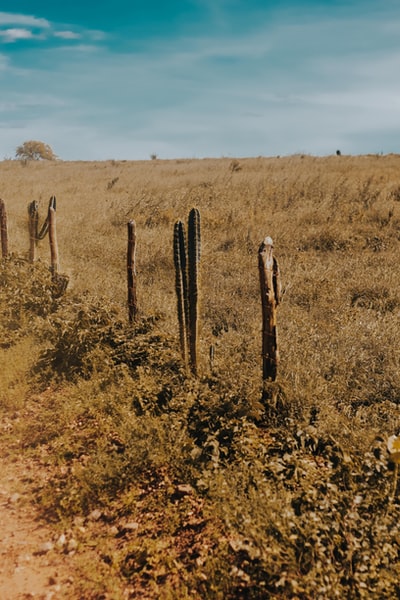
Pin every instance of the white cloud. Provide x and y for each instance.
(85, 48)
(278, 88)
(30, 100)
(14, 34)
(96, 35)
(4, 62)
(27, 27)
(67, 35)
(23, 20)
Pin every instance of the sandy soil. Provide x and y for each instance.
(32, 563)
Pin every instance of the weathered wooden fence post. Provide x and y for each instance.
(3, 229)
(270, 288)
(60, 282)
(45, 227)
(34, 234)
(54, 262)
(33, 212)
(131, 269)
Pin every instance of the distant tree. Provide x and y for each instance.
(338, 153)
(35, 150)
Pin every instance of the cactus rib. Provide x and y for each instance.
(193, 285)
(181, 285)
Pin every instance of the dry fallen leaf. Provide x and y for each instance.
(393, 446)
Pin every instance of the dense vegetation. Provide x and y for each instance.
(183, 487)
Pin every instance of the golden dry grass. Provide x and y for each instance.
(335, 222)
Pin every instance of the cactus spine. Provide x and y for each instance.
(186, 260)
(3, 229)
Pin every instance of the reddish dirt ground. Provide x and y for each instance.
(31, 564)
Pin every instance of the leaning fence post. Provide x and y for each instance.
(270, 297)
(33, 212)
(4, 230)
(45, 227)
(54, 265)
(131, 269)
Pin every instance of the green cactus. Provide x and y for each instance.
(181, 285)
(186, 262)
(193, 285)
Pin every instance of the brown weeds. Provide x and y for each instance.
(300, 506)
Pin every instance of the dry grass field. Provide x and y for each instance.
(200, 492)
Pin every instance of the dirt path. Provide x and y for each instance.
(32, 564)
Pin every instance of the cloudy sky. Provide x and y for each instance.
(125, 79)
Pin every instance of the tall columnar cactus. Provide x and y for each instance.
(186, 260)
(270, 288)
(131, 272)
(181, 286)
(193, 284)
(3, 229)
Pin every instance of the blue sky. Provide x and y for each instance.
(200, 78)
